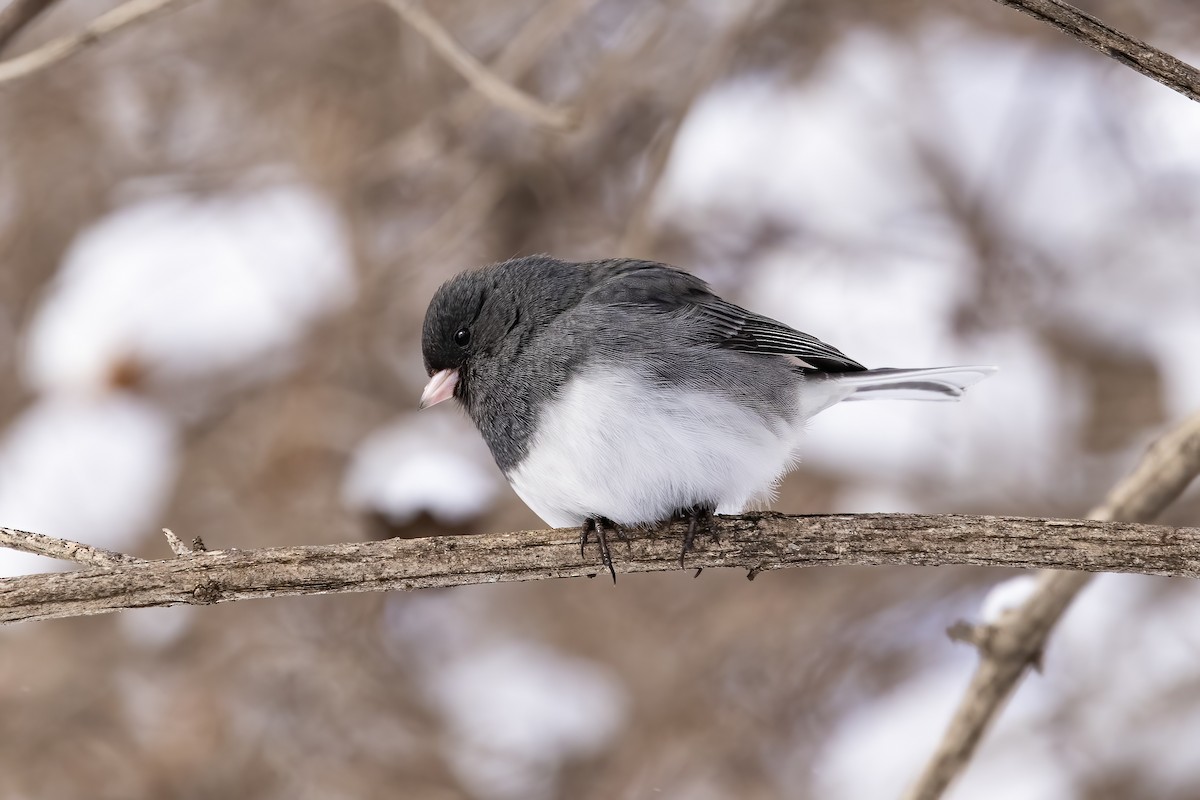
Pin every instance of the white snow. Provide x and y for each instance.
(156, 628)
(880, 748)
(172, 285)
(1090, 171)
(1007, 596)
(1092, 175)
(519, 710)
(422, 463)
(748, 149)
(185, 286)
(97, 470)
(1121, 661)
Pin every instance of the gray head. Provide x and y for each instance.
(479, 319)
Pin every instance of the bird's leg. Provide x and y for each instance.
(585, 533)
(600, 525)
(699, 518)
(621, 534)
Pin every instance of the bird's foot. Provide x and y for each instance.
(699, 520)
(601, 526)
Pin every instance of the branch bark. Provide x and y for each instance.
(1133, 53)
(477, 74)
(40, 545)
(754, 542)
(66, 46)
(1010, 647)
(16, 15)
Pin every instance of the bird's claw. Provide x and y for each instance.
(600, 526)
(699, 518)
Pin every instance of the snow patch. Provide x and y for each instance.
(184, 286)
(421, 464)
(520, 710)
(1007, 596)
(95, 470)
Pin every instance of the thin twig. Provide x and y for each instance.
(1009, 647)
(1137, 55)
(18, 14)
(176, 544)
(637, 237)
(40, 545)
(752, 542)
(520, 54)
(66, 46)
(482, 79)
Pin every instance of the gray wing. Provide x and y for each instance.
(658, 288)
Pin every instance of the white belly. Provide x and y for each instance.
(618, 448)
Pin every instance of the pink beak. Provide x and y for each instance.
(440, 387)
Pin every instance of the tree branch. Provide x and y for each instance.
(48, 546)
(66, 46)
(1137, 55)
(16, 15)
(752, 542)
(1009, 647)
(482, 79)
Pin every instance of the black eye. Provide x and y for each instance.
(462, 337)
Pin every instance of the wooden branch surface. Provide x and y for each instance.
(1133, 53)
(15, 16)
(1010, 647)
(40, 545)
(477, 74)
(752, 542)
(128, 13)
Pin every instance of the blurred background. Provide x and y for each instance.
(218, 234)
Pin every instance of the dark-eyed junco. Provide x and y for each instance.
(625, 392)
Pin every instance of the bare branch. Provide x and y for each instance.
(51, 547)
(1137, 55)
(1168, 467)
(176, 544)
(16, 15)
(66, 46)
(752, 542)
(482, 79)
(636, 238)
(1010, 647)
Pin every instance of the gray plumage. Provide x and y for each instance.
(534, 320)
(537, 326)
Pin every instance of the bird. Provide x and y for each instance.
(624, 393)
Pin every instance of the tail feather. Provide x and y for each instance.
(934, 383)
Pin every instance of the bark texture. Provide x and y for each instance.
(1010, 647)
(752, 542)
(1133, 53)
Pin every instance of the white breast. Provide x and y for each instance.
(617, 447)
